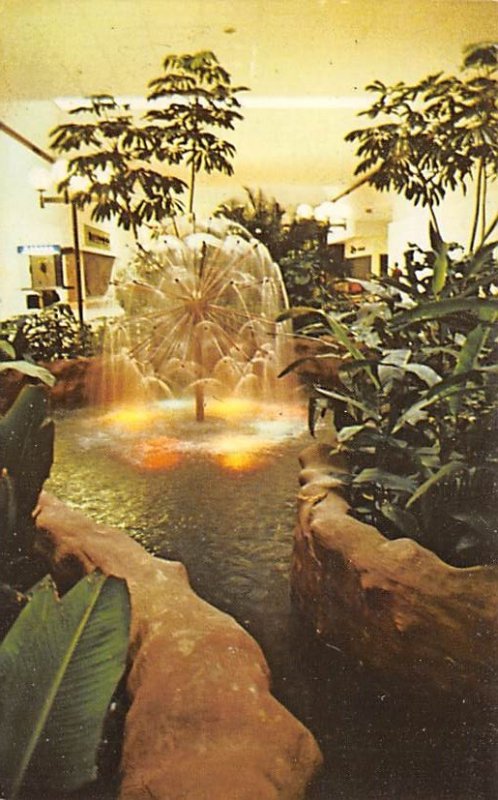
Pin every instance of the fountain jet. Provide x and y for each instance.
(199, 318)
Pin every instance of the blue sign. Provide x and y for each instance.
(39, 249)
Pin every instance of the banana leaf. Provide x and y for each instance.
(59, 666)
(26, 445)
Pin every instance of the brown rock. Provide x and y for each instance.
(74, 381)
(202, 723)
(392, 605)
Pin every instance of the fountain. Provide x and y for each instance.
(199, 319)
(198, 327)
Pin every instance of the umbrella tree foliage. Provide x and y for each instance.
(435, 135)
(116, 170)
(116, 161)
(199, 99)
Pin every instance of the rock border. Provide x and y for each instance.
(202, 724)
(391, 605)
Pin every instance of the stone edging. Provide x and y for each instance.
(391, 605)
(202, 724)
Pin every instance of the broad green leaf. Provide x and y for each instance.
(450, 386)
(339, 330)
(7, 350)
(425, 373)
(349, 432)
(388, 480)
(370, 412)
(440, 309)
(26, 444)
(59, 666)
(482, 257)
(473, 345)
(406, 522)
(8, 513)
(451, 468)
(27, 368)
(440, 269)
(341, 333)
(297, 363)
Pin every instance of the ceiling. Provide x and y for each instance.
(306, 63)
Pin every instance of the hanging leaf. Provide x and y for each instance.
(26, 445)
(368, 410)
(27, 368)
(7, 351)
(59, 666)
(471, 349)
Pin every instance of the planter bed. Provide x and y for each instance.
(391, 605)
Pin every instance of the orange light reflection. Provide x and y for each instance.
(157, 454)
(240, 453)
(241, 462)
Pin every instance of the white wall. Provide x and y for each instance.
(411, 224)
(22, 220)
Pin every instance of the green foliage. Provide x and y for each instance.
(118, 159)
(260, 215)
(59, 666)
(116, 166)
(299, 246)
(201, 99)
(435, 135)
(26, 455)
(415, 403)
(51, 334)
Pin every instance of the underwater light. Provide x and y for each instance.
(241, 462)
(240, 453)
(132, 417)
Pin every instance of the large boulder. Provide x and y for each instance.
(202, 723)
(391, 605)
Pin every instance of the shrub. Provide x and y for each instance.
(416, 405)
(50, 334)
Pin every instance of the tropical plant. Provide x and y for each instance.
(115, 169)
(199, 99)
(60, 661)
(415, 402)
(261, 215)
(26, 455)
(299, 246)
(59, 666)
(12, 356)
(436, 135)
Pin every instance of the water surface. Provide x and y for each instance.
(230, 521)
